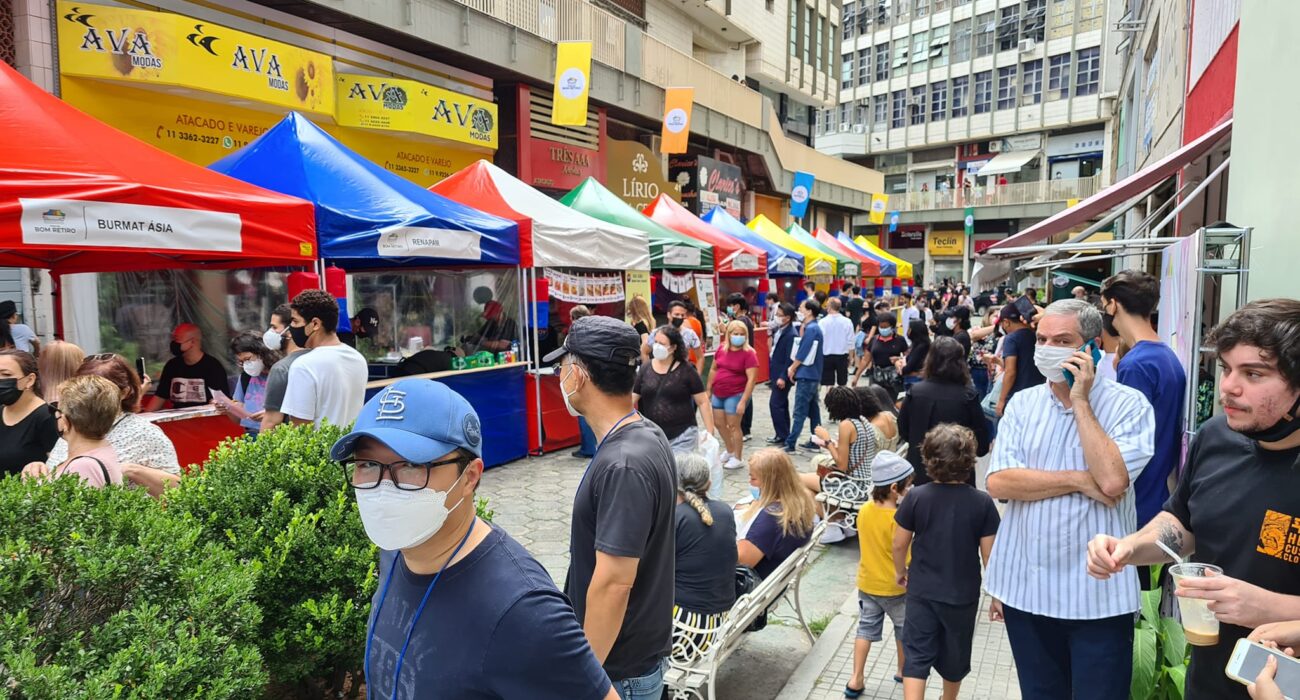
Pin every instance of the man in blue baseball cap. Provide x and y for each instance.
(462, 609)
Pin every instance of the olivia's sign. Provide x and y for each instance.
(636, 174)
(707, 183)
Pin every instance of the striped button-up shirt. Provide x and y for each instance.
(1039, 560)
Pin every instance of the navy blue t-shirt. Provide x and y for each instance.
(765, 534)
(1153, 369)
(494, 627)
(1020, 345)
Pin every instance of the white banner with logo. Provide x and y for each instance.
(87, 224)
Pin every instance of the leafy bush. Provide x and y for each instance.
(1160, 652)
(102, 595)
(284, 508)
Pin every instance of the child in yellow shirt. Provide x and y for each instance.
(878, 592)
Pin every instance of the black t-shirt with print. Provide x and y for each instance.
(191, 385)
(624, 507)
(1242, 503)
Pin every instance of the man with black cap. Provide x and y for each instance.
(1019, 371)
(621, 549)
(462, 610)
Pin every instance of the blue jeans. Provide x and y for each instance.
(979, 377)
(727, 405)
(588, 446)
(805, 408)
(647, 687)
(1083, 659)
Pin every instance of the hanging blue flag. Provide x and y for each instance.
(893, 221)
(801, 193)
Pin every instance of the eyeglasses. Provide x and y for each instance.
(407, 476)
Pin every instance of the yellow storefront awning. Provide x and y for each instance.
(815, 262)
(904, 267)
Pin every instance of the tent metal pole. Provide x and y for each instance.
(536, 363)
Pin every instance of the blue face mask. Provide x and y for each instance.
(886, 332)
(737, 340)
(753, 491)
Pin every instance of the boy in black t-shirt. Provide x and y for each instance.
(949, 526)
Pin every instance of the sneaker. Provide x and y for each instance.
(733, 463)
(725, 456)
(834, 533)
(775, 441)
(578, 454)
(746, 438)
(810, 445)
(791, 450)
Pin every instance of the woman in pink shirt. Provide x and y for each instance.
(88, 407)
(735, 367)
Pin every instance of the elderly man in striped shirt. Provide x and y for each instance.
(1066, 456)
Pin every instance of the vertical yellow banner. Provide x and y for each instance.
(677, 119)
(572, 83)
(879, 202)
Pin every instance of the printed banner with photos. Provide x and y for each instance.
(585, 289)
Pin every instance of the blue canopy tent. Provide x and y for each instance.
(368, 218)
(781, 262)
(887, 267)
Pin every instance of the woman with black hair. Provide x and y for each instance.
(919, 335)
(879, 409)
(255, 360)
(944, 395)
(958, 326)
(668, 391)
(850, 449)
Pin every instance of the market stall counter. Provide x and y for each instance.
(194, 432)
(497, 395)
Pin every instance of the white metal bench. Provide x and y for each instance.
(842, 498)
(699, 649)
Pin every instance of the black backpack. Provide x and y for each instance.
(424, 362)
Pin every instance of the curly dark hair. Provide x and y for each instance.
(1273, 326)
(946, 362)
(674, 337)
(948, 453)
(319, 304)
(250, 342)
(842, 403)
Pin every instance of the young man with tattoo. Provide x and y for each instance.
(1237, 503)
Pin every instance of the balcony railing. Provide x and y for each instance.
(1036, 192)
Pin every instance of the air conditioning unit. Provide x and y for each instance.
(859, 128)
(995, 146)
(844, 126)
(1027, 45)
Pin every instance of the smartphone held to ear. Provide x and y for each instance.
(1094, 352)
(1248, 659)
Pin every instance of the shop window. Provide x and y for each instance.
(1031, 79)
(983, 91)
(939, 47)
(961, 40)
(1007, 87)
(879, 112)
(917, 105)
(938, 101)
(882, 61)
(1058, 77)
(920, 51)
(984, 25)
(898, 119)
(864, 66)
(1087, 75)
(960, 90)
(1008, 27)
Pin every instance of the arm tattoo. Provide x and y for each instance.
(1171, 536)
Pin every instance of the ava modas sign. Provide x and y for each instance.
(395, 104)
(162, 48)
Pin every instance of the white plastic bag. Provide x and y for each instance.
(710, 449)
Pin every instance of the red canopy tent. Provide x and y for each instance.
(77, 195)
(731, 257)
(870, 266)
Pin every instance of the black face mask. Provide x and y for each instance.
(299, 335)
(1284, 428)
(677, 322)
(176, 349)
(9, 392)
(1108, 323)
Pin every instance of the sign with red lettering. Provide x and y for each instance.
(707, 183)
(559, 166)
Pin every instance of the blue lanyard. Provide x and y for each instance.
(383, 594)
(602, 444)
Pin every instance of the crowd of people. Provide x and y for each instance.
(1077, 404)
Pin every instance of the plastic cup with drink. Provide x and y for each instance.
(1199, 623)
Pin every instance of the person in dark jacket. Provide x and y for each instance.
(778, 369)
(944, 395)
(918, 334)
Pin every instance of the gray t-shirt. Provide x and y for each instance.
(278, 381)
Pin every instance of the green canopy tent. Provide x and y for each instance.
(845, 267)
(669, 250)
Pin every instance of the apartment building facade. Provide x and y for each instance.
(1001, 105)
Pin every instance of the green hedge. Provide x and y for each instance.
(253, 578)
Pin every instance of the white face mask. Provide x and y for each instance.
(395, 519)
(272, 339)
(1048, 359)
(567, 404)
(660, 352)
(254, 367)
(951, 323)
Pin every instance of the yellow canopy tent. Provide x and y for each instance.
(815, 262)
(904, 267)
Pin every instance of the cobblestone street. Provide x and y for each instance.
(533, 501)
